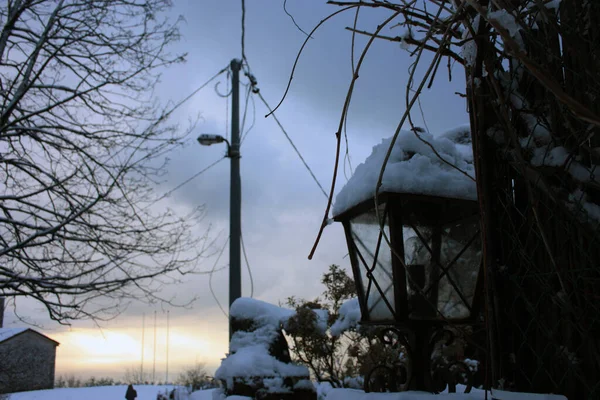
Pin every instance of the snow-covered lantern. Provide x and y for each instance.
(418, 255)
(416, 258)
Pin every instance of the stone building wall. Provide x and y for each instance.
(27, 362)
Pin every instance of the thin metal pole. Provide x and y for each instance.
(235, 226)
(154, 361)
(143, 334)
(167, 374)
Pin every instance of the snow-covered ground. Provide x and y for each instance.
(350, 394)
(150, 392)
(145, 392)
(202, 395)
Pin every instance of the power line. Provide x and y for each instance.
(211, 275)
(248, 98)
(199, 89)
(246, 258)
(244, 31)
(248, 267)
(227, 135)
(293, 145)
(165, 115)
(191, 178)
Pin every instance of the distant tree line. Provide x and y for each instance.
(193, 377)
(71, 381)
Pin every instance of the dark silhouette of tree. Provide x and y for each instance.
(81, 140)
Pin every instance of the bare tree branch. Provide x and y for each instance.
(80, 141)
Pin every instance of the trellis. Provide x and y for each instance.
(533, 89)
(534, 123)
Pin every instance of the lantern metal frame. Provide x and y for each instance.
(417, 333)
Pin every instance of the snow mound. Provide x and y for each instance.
(254, 361)
(99, 393)
(249, 350)
(260, 311)
(349, 317)
(414, 167)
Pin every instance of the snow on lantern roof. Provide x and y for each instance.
(413, 167)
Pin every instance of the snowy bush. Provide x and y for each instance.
(258, 359)
(342, 352)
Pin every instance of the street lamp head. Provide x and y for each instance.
(207, 139)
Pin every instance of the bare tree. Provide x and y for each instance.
(195, 377)
(81, 139)
(135, 375)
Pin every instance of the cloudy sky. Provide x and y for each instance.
(282, 206)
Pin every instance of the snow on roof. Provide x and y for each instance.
(7, 333)
(413, 167)
(349, 317)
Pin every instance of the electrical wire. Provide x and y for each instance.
(177, 105)
(244, 247)
(227, 133)
(293, 145)
(247, 266)
(253, 118)
(248, 98)
(197, 174)
(244, 31)
(211, 275)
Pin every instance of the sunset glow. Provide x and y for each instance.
(110, 352)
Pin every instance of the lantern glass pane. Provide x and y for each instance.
(461, 255)
(375, 264)
(418, 245)
(442, 265)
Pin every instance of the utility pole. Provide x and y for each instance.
(235, 191)
(235, 202)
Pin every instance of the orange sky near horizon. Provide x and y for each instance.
(109, 352)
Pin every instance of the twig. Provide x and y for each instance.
(338, 133)
(293, 20)
(300, 53)
(409, 40)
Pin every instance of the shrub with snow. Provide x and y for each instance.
(258, 356)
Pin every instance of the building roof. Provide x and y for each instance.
(8, 333)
